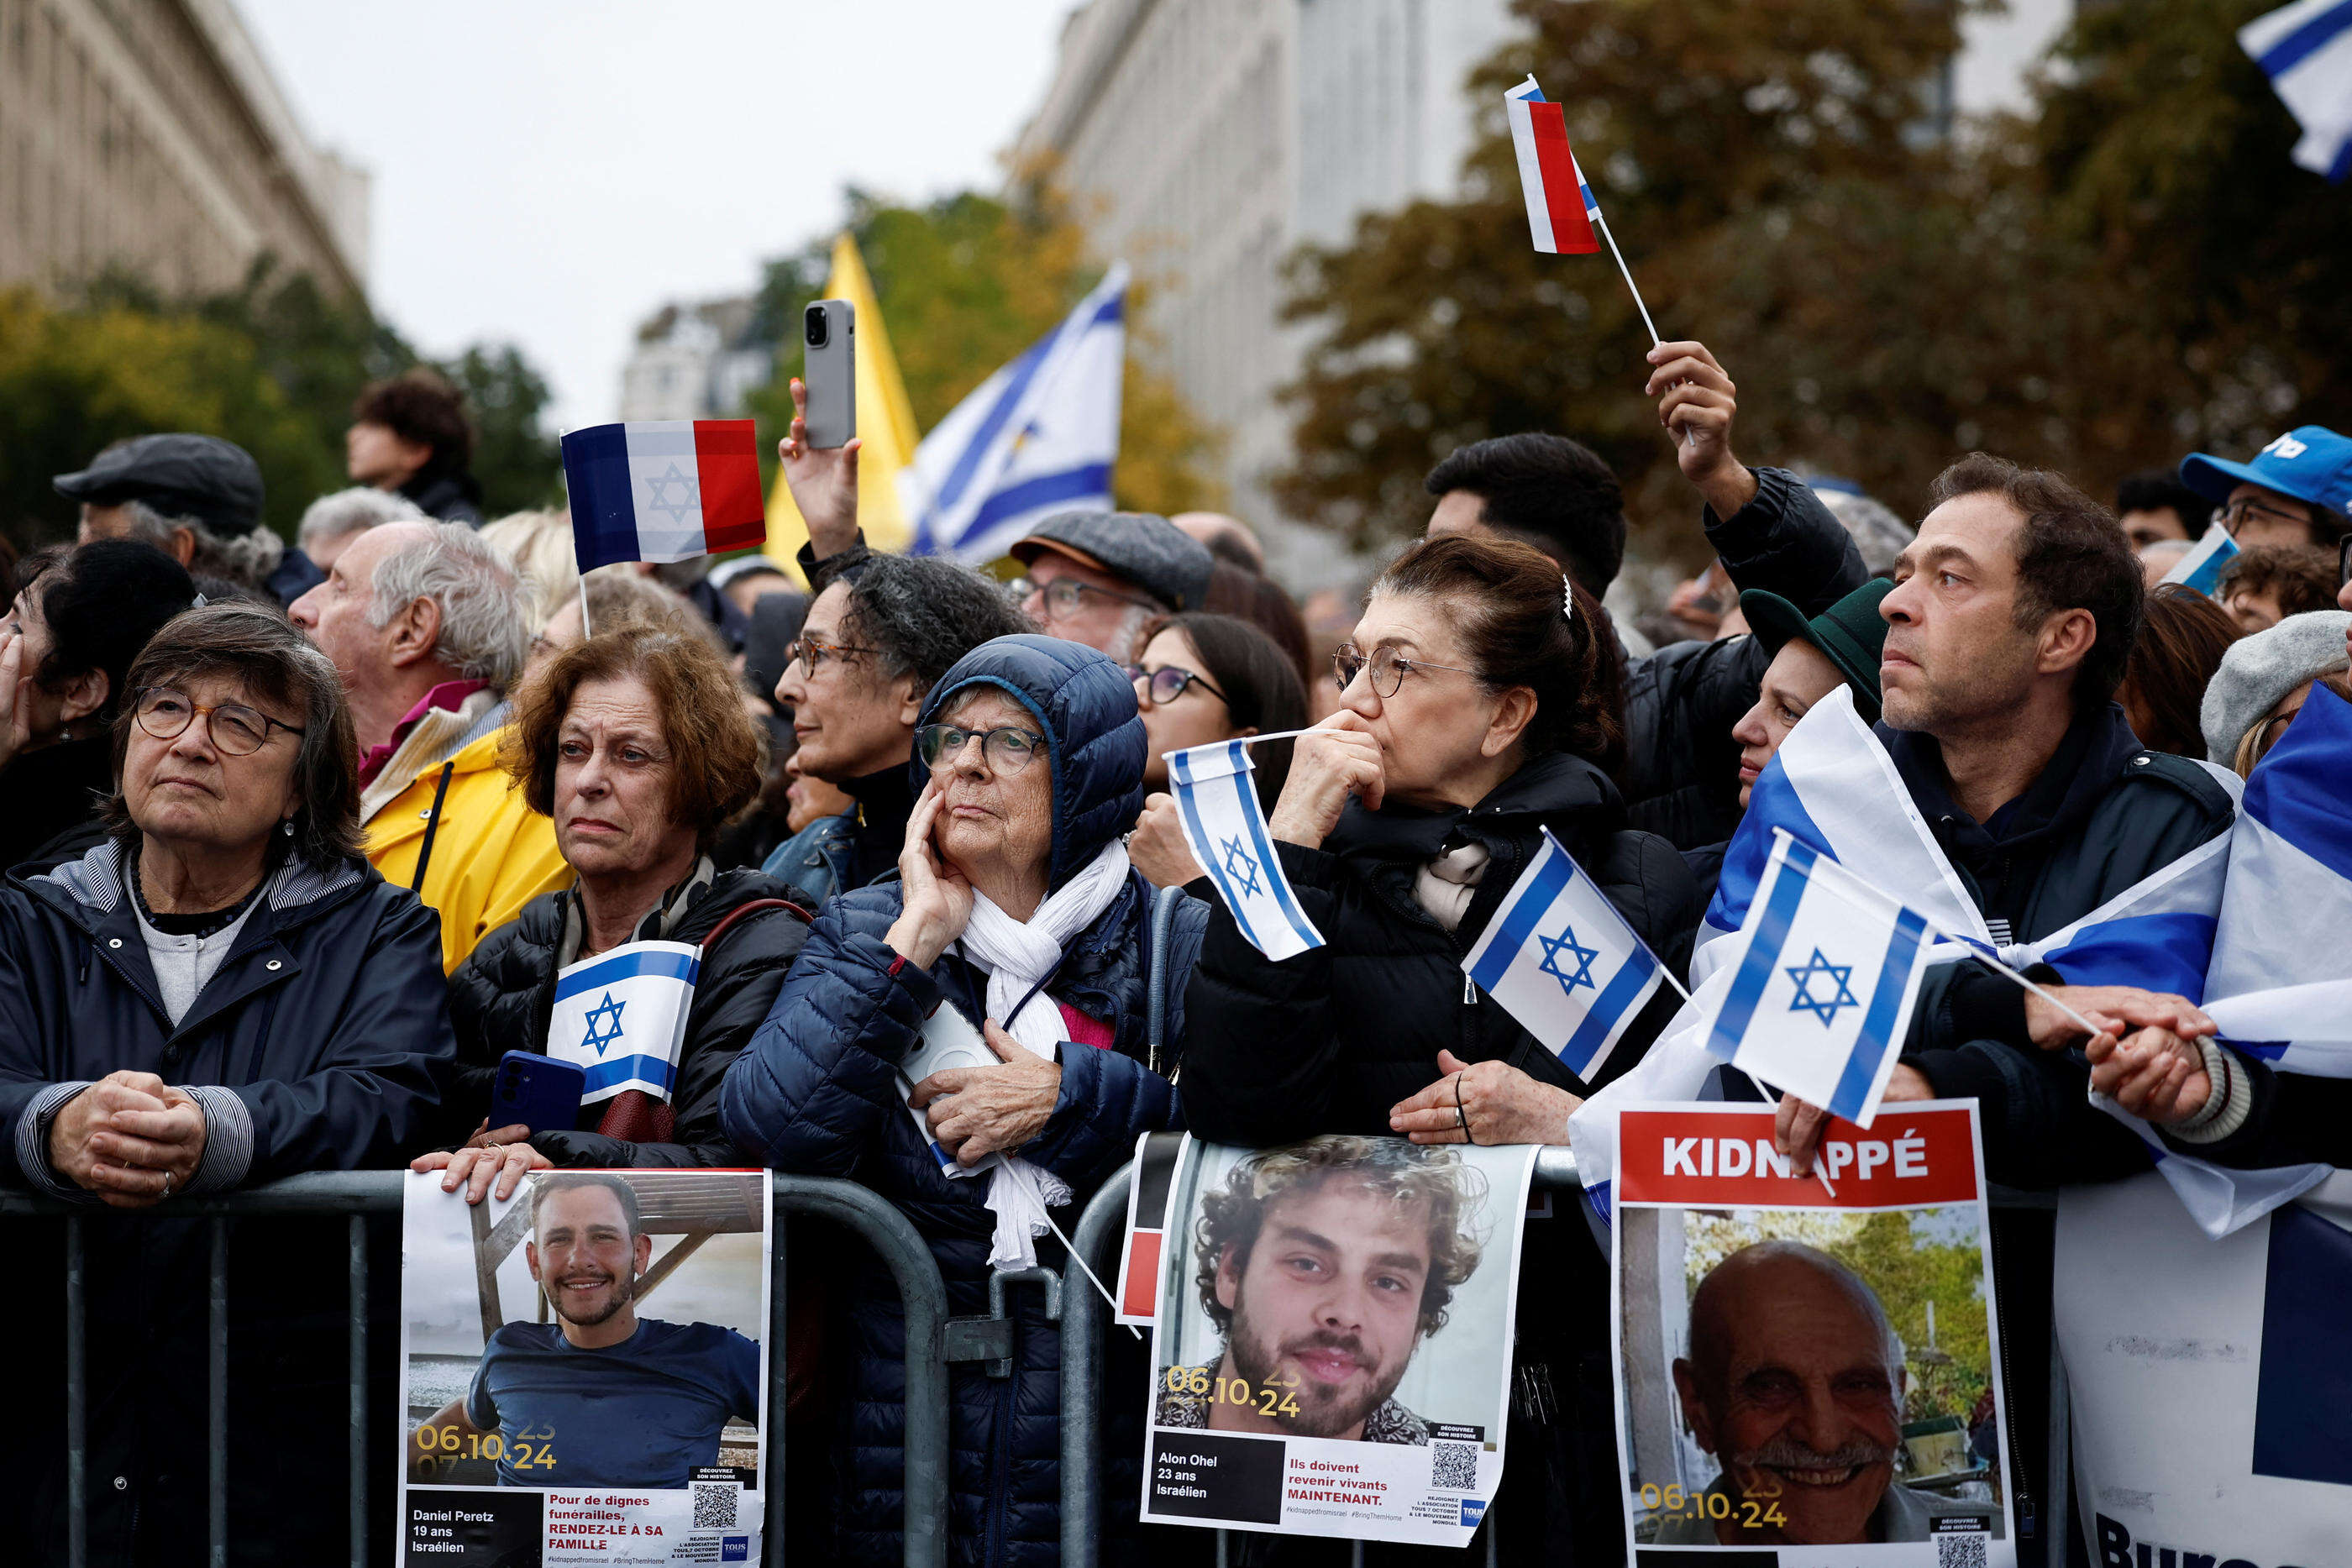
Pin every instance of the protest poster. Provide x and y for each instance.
(1808, 1370)
(1332, 1351)
(583, 1369)
(2211, 1391)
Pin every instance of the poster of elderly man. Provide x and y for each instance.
(1332, 1344)
(1809, 1369)
(583, 1367)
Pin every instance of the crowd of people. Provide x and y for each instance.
(302, 837)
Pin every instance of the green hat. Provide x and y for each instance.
(1850, 634)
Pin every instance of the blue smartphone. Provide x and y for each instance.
(537, 1091)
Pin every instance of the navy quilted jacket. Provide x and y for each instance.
(815, 1094)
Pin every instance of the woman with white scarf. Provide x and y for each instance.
(1015, 916)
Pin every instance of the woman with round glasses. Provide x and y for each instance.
(1479, 711)
(222, 993)
(1018, 938)
(1205, 678)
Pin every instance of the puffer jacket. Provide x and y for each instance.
(1682, 770)
(501, 1000)
(320, 1043)
(1328, 1040)
(816, 1095)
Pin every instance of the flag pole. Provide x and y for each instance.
(1627, 274)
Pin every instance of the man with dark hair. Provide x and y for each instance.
(2011, 620)
(1542, 491)
(1323, 1265)
(599, 1398)
(2263, 586)
(410, 435)
(2155, 504)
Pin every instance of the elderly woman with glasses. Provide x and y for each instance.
(224, 992)
(1019, 941)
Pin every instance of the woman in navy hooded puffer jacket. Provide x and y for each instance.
(1015, 908)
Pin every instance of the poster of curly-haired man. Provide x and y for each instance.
(1332, 1351)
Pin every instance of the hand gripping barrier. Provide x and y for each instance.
(359, 1194)
(1085, 1316)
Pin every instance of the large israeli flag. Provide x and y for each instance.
(2305, 49)
(621, 1015)
(1039, 436)
(1216, 801)
(2286, 911)
(1824, 975)
(2202, 567)
(1559, 957)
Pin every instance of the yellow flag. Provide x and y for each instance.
(886, 425)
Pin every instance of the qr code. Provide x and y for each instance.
(1958, 1549)
(1455, 1465)
(715, 1505)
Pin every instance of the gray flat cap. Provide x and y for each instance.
(216, 482)
(1144, 548)
(2258, 670)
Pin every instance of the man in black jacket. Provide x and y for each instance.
(1770, 532)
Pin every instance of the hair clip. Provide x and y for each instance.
(197, 603)
(1567, 597)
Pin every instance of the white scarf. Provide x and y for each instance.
(1018, 956)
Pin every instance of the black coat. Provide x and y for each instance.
(501, 999)
(328, 1023)
(1328, 1040)
(1682, 769)
(49, 803)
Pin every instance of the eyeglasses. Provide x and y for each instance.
(1166, 684)
(1007, 750)
(814, 652)
(1389, 668)
(2233, 516)
(1065, 596)
(236, 730)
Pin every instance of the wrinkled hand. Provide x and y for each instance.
(503, 1156)
(2153, 1073)
(1337, 759)
(937, 897)
(1797, 1126)
(15, 698)
(1696, 401)
(976, 1112)
(823, 480)
(1496, 1103)
(2116, 1010)
(1158, 847)
(131, 1138)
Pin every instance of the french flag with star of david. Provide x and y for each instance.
(663, 490)
(1824, 972)
(1559, 957)
(620, 1017)
(1216, 802)
(1561, 212)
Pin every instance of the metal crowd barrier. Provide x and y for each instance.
(359, 1194)
(1085, 1315)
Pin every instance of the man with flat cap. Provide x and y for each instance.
(198, 499)
(1099, 577)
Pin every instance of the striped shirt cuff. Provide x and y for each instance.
(2227, 1104)
(228, 1139)
(33, 1127)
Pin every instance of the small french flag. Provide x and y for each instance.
(663, 490)
(1560, 208)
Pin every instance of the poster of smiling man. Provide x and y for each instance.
(584, 1369)
(1808, 1367)
(1332, 1344)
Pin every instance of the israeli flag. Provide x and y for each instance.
(2287, 909)
(2157, 935)
(2202, 567)
(621, 1015)
(1037, 437)
(1824, 975)
(1559, 957)
(2305, 49)
(1217, 804)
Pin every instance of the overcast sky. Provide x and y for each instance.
(552, 173)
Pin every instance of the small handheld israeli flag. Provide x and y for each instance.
(1824, 972)
(1559, 957)
(621, 1015)
(1217, 804)
(2305, 49)
(2202, 567)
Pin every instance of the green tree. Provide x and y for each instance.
(966, 283)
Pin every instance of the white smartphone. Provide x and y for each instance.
(829, 369)
(949, 1040)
